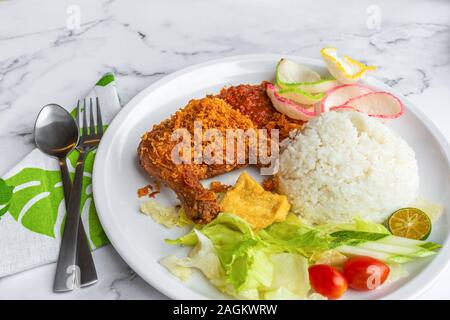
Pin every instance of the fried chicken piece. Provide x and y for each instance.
(218, 186)
(156, 154)
(241, 107)
(270, 184)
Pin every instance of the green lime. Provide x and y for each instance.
(410, 223)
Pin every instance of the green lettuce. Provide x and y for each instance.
(249, 267)
(358, 224)
(167, 216)
(202, 257)
(287, 237)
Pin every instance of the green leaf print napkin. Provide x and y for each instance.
(32, 208)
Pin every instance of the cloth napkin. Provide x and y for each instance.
(32, 207)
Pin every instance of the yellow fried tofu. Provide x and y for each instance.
(252, 203)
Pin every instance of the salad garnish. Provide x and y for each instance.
(248, 264)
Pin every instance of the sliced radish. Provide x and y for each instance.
(345, 69)
(344, 108)
(300, 96)
(291, 73)
(288, 107)
(339, 95)
(378, 104)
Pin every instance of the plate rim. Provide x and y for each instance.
(410, 290)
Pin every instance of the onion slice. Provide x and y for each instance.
(288, 107)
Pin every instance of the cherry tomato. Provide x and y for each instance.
(327, 281)
(365, 273)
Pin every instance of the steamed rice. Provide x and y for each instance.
(347, 164)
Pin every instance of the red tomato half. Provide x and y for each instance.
(327, 281)
(365, 273)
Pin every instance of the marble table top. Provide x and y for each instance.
(49, 55)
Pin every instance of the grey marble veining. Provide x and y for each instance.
(42, 61)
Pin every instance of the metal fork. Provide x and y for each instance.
(67, 270)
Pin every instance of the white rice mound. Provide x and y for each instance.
(345, 165)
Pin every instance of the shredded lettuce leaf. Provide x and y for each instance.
(245, 266)
(357, 225)
(167, 216)
(202, 257)
(368, 226)
(330, 257)
(397, 272)
(290, 273)
(177, 266)
(433, 210)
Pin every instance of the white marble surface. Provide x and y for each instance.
(42, 61)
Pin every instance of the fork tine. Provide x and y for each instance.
(78, 114)
(99, 118)
(91, 119)
(85, 131)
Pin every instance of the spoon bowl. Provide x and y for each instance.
(56, 132)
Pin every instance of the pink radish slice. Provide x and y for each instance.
(337, 96)
(344, 108)
(378, 104)
(288, 107)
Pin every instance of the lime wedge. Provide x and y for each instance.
(410, 223)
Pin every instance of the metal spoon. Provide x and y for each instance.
(56, 134)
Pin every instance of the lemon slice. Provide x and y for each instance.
(410, 223)
(345, 69)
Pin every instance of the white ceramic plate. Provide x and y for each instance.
(140, 241)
